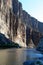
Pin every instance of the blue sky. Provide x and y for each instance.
(34, 8)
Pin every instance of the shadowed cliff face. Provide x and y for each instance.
(15, 5)
(33, 29)
(17, 25)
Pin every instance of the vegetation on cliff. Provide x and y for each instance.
(6, 43)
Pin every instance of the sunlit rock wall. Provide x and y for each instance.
(11, 24)
(3, 11)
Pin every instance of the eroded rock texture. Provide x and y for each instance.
(17, 25)
(10, 21)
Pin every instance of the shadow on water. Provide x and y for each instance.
(28, 63)
(32, 57)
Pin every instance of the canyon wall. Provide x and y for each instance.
(11, 21)
(17, 25)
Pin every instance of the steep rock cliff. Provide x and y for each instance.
(16, 24)
(11, 21)
(33, 28)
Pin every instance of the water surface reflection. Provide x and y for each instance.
(17, 56)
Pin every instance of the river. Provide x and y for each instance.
(18, 56)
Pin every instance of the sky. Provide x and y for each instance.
(34, 8)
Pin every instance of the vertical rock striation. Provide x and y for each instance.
(16, 24)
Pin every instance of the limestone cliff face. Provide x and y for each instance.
(3, 28)
(16, 24)
(11, 21)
